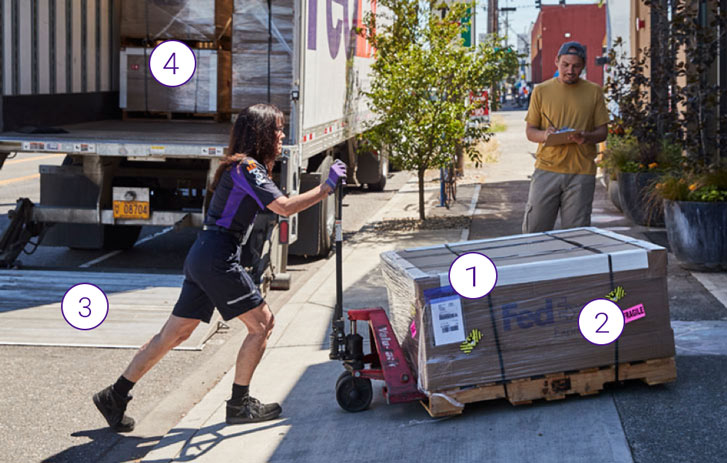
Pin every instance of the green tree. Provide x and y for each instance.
(421, 80)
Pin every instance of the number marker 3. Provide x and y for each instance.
(85, 306)
(601, 322)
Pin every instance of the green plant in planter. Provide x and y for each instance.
(624, 154)
(624, 157)
(695, 211)
(709, 186)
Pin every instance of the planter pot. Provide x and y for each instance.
(697, 233)
(633, 190)
(612, 191)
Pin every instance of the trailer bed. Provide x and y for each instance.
(126, 138)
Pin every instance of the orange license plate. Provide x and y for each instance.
(131, 210)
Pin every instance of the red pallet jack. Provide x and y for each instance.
(386, 360)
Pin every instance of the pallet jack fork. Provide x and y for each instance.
(386, 360)
(19, 233)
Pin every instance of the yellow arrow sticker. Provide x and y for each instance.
(472, 339)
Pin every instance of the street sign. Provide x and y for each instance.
(482, 112)
(468, 35)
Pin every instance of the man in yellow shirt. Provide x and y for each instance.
(565, 174)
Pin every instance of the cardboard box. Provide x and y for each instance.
(260, 66)
(206, 92)
(529, 322)
(199, 20)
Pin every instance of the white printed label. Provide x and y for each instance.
(339, 231)
(447, 320)
(155, 149)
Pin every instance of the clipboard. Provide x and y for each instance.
(559, 138)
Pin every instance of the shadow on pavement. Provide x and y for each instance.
(209, 437)
(499, 210)
(100, 444)
(691, 413)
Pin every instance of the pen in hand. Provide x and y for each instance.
(549, 121)
(550, 129)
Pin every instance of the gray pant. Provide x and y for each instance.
(550, 191)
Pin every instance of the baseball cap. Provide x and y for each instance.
(572, 48)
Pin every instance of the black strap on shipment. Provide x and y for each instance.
(615, 351)
(452, 250)
(613, 287)
(497, 343)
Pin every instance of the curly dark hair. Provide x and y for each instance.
(254, 135)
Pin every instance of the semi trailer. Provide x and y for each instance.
(76, 81)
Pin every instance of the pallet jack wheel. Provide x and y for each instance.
(353, 394)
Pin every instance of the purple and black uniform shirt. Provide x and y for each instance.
(242, 192)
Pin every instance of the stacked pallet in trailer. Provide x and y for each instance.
(69, 68)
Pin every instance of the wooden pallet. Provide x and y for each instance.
(552, 386)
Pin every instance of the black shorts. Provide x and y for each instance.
(213, 277)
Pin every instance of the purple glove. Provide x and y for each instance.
(337, 172)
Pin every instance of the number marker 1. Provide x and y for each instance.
(473, 275)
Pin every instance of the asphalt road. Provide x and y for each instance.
(46, 413)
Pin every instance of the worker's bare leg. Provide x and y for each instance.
(259, 322)
(242, 408)
(175, 331)
(112, 401)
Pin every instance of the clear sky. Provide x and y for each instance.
(519, 20)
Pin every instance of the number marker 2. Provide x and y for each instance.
(601, 322)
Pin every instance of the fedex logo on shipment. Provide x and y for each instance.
(343, 17)
(525, 318)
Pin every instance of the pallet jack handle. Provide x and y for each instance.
(338, 335)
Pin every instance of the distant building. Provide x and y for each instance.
(557, 24)
(523, 48)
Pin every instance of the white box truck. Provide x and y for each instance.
(67, 75)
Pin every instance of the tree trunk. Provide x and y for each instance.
(420, 173)
(459, 157)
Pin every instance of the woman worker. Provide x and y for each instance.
(213, 276)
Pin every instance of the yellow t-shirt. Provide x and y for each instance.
(579, 106)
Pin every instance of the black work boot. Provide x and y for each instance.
(250, 410)
(112, 406)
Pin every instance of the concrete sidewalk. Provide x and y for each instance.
(296, 372)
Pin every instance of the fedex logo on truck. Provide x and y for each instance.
(526, 318)
(343, 18)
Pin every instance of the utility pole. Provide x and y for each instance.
(492, 17)
(507, 10)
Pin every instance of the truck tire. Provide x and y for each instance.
(117, 237)
(315, 224)
(381, 184)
